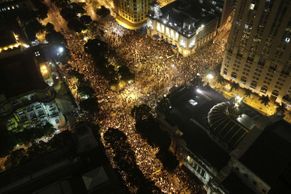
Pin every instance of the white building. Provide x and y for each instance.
(186, 25)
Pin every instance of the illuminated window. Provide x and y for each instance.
(192, 42)
(183, 43)
(252, 6)
(150, 24)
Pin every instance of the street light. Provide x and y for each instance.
(237, 101)
(60, 50)
(199, 91)
(210, 76)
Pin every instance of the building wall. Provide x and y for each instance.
(185, 45)
(258, 52)
(228, 6)
(250, 179)
(132, 14)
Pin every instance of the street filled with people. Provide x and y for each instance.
(157, 67)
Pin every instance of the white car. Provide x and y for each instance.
(193, 102)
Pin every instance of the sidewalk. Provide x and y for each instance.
(251, 100)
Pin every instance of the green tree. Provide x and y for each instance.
(234, 85)
(265, 100)
(247, 92)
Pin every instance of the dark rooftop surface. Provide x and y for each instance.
(6, 38)
(191, 121)
(223, 124)
(19, 74)
(270, 156)
(62, 170)
(234, 185)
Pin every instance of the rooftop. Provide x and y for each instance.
(20, 74)
(192, 121)
(223, 123)
(270, 156)
(208, 122)
(6, 38)
(234, 185)
(186, 16)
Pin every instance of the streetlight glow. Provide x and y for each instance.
(210, 76)
(199, 91)
(60, 50)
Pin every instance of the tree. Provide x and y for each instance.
(49, 27)
(287, 98)
(42, 9)
(77, 7)
(168, 159)
(86, 19)
(265, 100)
(56, 37)
(76, 74)
(247, 92)
(110, 74)
(281, 109)
(125, 73)
(67, 13)
(113, 135)
(164, 105)
(15, 158)
(76, 25)
(96, 48)
(90, 105)
(197, 81)
(103, 11)
(85, 89)
(32, 28)
(141, 112)
(7, 141)
(234, 85)
(61, 3)
(220, 79)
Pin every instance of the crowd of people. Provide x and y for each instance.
(157, 68)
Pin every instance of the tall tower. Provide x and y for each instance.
(132, 14)
(258, 51)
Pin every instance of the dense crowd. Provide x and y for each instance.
(157, 68)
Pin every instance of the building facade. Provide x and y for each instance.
(131, 14)
(187, 25)
(235, 150)
(258, 52)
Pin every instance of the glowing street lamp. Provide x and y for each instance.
(237, 101)
(199, 91)
(44, 70)
(209, 76)
(60, 50)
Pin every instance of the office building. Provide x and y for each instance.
(132, 14)
(258, 51)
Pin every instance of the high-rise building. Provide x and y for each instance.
(132, 14)
(227, 10)
(258, 52)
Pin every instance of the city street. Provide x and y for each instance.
(157, 69)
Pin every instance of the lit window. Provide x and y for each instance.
(150, 24)
(252, 6)
(192, 43)
(183, 43)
